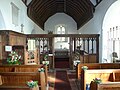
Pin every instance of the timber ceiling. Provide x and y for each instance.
(80, 10)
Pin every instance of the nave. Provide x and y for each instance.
(86, 76)
(43, 54)
(94, 76)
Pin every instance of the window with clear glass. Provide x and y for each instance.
(111, 44)
(31, 45)
(60, 30)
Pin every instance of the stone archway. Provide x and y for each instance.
(111, 20)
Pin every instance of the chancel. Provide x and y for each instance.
(59, 45)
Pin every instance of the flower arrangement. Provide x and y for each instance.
(97, 80)
(41, 69)
(13, 58)
(84, 67)
(32, 83)
(45, 62)
(45, 56)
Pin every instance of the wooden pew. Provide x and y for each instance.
(28, 68)
(7, 68)
(24, 68)
(105, 86)
(20, 68)
(115, 85)
(106, 75)
(95, 66)
(32, 68)
(18, 80)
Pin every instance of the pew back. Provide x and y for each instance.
(27, 68)
(24, 68)
(20, 68)
(6, 68)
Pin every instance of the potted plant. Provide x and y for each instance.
(33, 85)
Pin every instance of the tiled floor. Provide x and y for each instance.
(71, 75)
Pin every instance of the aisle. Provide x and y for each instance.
(61, 80)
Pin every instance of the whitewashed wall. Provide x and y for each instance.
(94, 26)
(6, 17)
(61, 18)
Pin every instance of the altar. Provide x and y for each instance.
(61, 53)
(62, 58)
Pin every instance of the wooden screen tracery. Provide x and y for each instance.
(88, 45)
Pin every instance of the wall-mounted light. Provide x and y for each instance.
(22, 28)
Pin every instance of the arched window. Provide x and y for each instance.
(60, 30)
(113, 42)
(111, 34)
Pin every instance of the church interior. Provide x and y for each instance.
(59, 45)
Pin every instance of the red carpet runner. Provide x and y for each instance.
(61, 81)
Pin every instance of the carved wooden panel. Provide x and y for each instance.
(88, 58)
(17, 39)
(32, 57)
(89, 44)
(12, 38)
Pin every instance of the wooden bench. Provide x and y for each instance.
(95, 66)
(24, 68)
(20, 68)
(28, 68)
(106, 75)
(115, 85)
(18, 80)
(105, 86)
(32, 68)
(7, 68)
